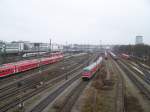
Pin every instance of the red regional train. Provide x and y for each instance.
(90, 70)
(20, 66)
(125, 56)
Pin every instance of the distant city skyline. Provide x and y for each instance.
(75, 21)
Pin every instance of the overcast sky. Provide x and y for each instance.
(75, 21)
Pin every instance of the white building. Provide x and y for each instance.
(139, 40)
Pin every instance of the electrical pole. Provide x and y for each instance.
(66, 47)
(50, 45)
(88, 54)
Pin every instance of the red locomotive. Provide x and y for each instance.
(16, 67)
(90, 70)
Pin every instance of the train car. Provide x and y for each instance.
(45, 61)
(21, 66)
(55, 57)
(113, 56)
(125, 56)
(26, 65)
(60, 57)
(6, 70)
(56, 54)
(89, 71)
(106, 55)
(32, 54)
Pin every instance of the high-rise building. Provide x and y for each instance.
(139, 39)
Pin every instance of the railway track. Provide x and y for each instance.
(139, 72)
(32, 75)
(120, 92)
(29, 79)
(143, 89)
(29, 95)
(28, 85)
(141, 64)
(42, 105)
(73, 95)
(15, 102)
(25, 74)
(26, 82)
(144, 71)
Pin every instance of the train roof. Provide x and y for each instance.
(112, 54)
(99, 60)
(90, 67)
(21, 62)
(8, 65)
(5, 66)
(125, 54)
(93, 64)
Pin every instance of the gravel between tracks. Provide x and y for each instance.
(51, 97)
(104, 92)
(139, 103)
(43, 104)
(140, 84)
